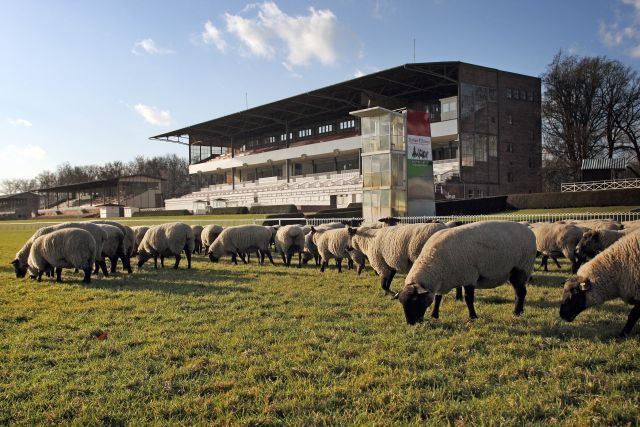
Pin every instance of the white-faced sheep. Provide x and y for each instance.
(20, 263)
(127, 244)
(556, 239)
(614, 273)
(289, 239)
(595, 241)
(392, 249)
(241, 239)
(64, 248)
(138, 234)
(113, 247)
(209, 234)
(166, 240)
(478, 255)
(197, 235)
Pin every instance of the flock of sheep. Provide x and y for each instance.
(436, 257)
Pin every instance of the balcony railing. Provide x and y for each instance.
(616, 184)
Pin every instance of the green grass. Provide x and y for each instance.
(258, 345)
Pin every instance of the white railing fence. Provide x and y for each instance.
(617, 184)
(546, 217)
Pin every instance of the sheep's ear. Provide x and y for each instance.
(15, 262)
(585, 286)
(396, 296)
(352, 231)
(420, 290)
(313, 229)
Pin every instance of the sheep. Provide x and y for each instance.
(554, 240)
(392, 249)
(113, 247)
(613, 273)
(290, 239)
(209, 234)
(20, 263)
(241, 239)
(452, 224)
(631, 225)
(127, 245)
(595, 241)
(166, 240)
(138, 234)
(599, 224)
(197, 235)
(477, 255)
(310, 248)
(63, 248)
(332, 243)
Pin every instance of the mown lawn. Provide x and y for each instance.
(257, 345)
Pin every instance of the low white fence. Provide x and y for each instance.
(546, 217)
(612, 184)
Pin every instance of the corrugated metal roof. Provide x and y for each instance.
(603, 164)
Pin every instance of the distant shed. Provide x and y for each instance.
(19, 206)
(603, 169)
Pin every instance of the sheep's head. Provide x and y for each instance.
(306, 257)
(589, 245)
(352, 232)
(574, 297)
(21, 270)
(143, 256)
(415, 300)
(390, 220)
(212, 257)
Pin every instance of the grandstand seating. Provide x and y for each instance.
(313, 190)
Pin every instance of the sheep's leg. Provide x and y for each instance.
(96, 270)
(234, 259)
(126, 264)
(385, 281)
(39, 276)
(299, 259)
(155, 262)
(360, 268)
(289, 256)
(339, 264)
(87, 275)
(114, 264)
(435, 313)
(284, 257)
(631, 320)
(268, 254)
(518, 279)
(188, 254)
(459, 293)
(103, 267)
(543, 262)
(349, 264)
(575, 264)
(59, 274)
(175, 266)
(556, 261)
(469, 298)
(162, 261)
(262, 255)
(324, 265)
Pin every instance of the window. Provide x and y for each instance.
(509, 119)
(493, 146)
(445, 107)
(480, 148)
(325, 129)
(516, 94)
(347, 124)
(467, 151)
(508, 93)
(272, 139)
(523, 94)
(283, 137)
(302, 133)
(509, 147)
(530, 96)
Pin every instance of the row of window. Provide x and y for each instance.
(519, 94)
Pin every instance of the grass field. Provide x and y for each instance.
(258, 345)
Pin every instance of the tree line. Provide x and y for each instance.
(173, 169)
(590, 109)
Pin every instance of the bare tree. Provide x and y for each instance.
(628, 118)
(614, 93)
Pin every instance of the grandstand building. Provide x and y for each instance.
(306, 150)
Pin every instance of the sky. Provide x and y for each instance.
(89, 81)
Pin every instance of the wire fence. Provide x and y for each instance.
(531, 218)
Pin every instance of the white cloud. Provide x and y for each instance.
(623, 32)
(358, 73)
(22, 161)
(149, 46)
(153, 115)
(211, 35)
(19, 122)
(303, 38)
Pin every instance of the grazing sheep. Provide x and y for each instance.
(127, 245)
(392, 249)
(452, 224)
(599, 224)
(20, 263)
(197, 236)
(478, 255)
(240, 240)
(595, 241)
(310, 248)
(289, 240)
(64, 248)
(332, 243)
(138, 234)
(613, 273)
(113, 247)
(555, 240)
(209, 234)
(166, 240)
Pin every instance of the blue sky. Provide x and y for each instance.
(90, 81)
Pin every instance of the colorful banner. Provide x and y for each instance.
(420, 190)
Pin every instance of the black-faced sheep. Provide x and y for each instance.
(138, 234)
(289, 239)
(595, 241)
(113, 247)
(240, 240)
(128, 243)
(209, 234)
(197, 235)
(554, 240)
(166, 240)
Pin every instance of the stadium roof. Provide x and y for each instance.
(18, 195)
(88, 185)
(391, 88)
(604, 164)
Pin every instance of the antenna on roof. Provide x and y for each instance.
(414, 50)
(246, 101)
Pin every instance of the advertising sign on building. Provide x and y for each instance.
(420, 190)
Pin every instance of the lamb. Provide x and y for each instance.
(209, 234)
(392, 249)
(554, 240)
(166, 240)
(613, 273)
(241, 239)
(20, 263)
(113, 247)
(595, 241)
(477, 255)
(289, 239)
(197, 235)
(127, 245)
(138, 234)
(63, 248)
